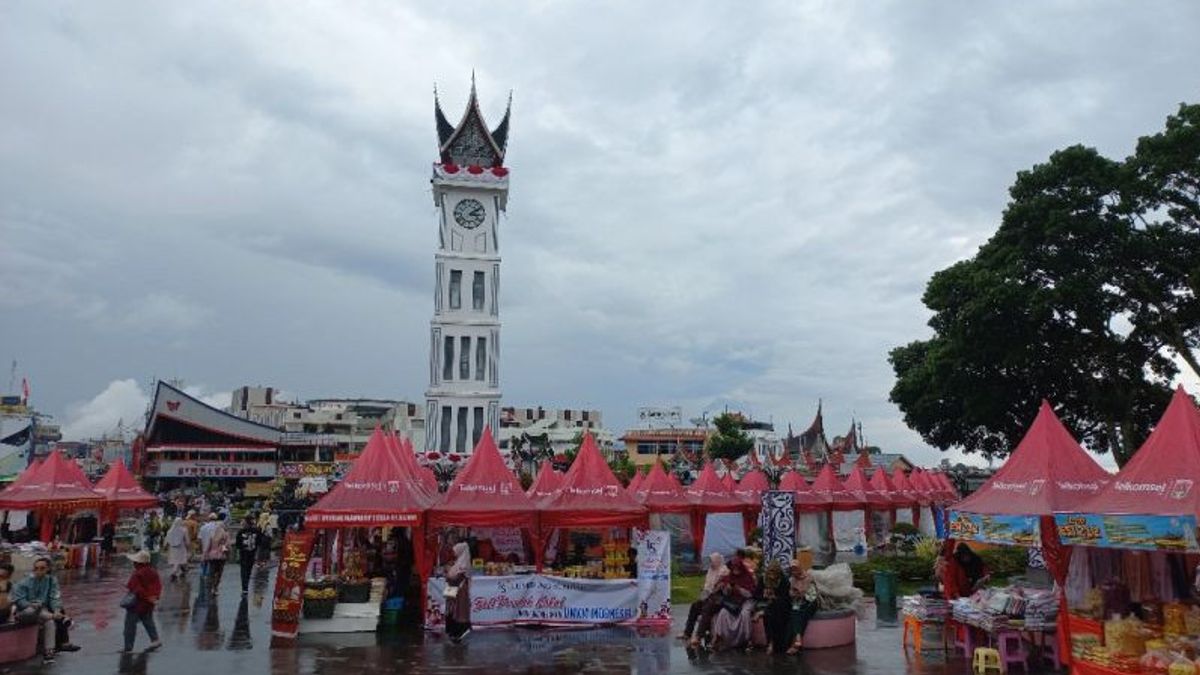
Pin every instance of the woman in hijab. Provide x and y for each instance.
(802, 593)
(177, 549)
(777, 617)
(713, 576)
(458, 593)
(731, 628)
(972, 565)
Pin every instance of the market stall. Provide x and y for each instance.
(1046, 473)
(55, 492)
(124, 498)
(749, 490)
(545, 483)
(486, 502)
(881, 482)
(670, 508)
(378, 491)
(903, 487)
(838, 504)
(588, 525)
(1134, 555)
(877, 507)
(715, 505)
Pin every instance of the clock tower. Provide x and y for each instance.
(470, 191)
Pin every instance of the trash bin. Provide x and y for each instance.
(885, 588)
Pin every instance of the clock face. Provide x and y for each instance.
(469, 213)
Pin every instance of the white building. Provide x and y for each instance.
(470, 191)
(555, 429)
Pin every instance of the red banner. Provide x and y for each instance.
(289, 585)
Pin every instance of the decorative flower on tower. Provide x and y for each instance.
(444, 467)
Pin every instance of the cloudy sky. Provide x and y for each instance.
(711, 203)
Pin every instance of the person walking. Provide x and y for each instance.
(177, 549)
(193, 532)
(247, 543)
(216, 549)
(458, 594)
(145, 588)
(153, 529)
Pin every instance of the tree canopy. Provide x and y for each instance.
(730, 441)
(1085, 295)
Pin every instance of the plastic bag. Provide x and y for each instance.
(835, 587)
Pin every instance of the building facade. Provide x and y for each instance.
(470, 191)
(552, 430)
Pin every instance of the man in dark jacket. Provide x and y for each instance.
(247, 542)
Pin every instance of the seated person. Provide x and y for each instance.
(6, 584)
(726, 622)
(38, 600)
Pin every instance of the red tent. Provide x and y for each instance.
(832, 494)
(591, 496)
(710, 494)
(751, 487)
(402, 450)
(546, 482)
(728, 481)
(122, 491)
(1046, 473)
(56, 487)
(802, 495)
(25, 475)
(485, 493)
(904, 487)
(377, 490)
(866, 493)
(1160, 478)
(660, 493)
(881, 482)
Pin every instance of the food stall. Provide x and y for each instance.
(499, 519)
(588, 525)
(669, 506)
(56, 491)
(1046, 473)
(1134, 555)
(380, 490)
(123, 494)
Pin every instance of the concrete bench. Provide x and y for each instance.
(18, 642)
(830, 629)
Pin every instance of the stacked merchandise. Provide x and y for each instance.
(925, 607)
(1041, 611)
(1013, 608)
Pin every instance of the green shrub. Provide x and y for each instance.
(1005, 561)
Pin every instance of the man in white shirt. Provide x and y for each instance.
(206, 533)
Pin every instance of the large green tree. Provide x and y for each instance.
(1083, 296)
(730, 441)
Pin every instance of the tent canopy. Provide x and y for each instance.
(57, 485)
(1160, 479)
(485, 493)
(660, 493)
(546, 482)
(904, 487)
(866, 493)
(881, 482)
(710, 494)
(635, 482)
(591, 496)
(830, 493)
(377, 490)
(751, 487)
(1047, 472)
(402, 450)
(122, 491)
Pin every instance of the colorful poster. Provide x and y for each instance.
(998, 529)
(298, 470)
(1144, 532)
(289, 584)
(537, 599)
(654, 574)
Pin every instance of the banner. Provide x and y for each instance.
(168, 468)
(654, 574)
(778, 525)
(1143, 532)
(998, 529)
(289, 584)
(536, 599)
(298, 470)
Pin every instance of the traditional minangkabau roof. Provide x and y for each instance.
(177, 418)
(811, 446)
(470, 143)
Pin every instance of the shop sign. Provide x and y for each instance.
(308, 440)
(210, 469)
(997, 529)
(298, 470)
(537, 599)
(289, 584)
(1143, 532)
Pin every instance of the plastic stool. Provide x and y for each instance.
(912, 630)
(1050, 652)
(1012, 649)
(986, 659)
(964, 639)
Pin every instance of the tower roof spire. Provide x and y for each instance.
(469, 142)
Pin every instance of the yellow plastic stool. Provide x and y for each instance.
(985, 659)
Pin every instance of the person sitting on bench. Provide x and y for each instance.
(38, 600)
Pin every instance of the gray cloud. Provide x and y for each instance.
(709, 203)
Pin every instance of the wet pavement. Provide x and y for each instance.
(231, 635)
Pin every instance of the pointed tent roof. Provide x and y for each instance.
(659, 493)
(636, 481)
(377, 490)
(945, 490)
(710, 493)
(904, 487)
(728, 481)
(122, 491)
(950, 487)
(28, 473)
(58, 484)
(461, 144)
(1161, 478)
(402, 450)
(1047, 472)
(751, 487)
(832, 493)
(590, 495)
(546, 482)
(881, 482)
(803, 496)
(920, 483)
(866, 493)
(485, 493)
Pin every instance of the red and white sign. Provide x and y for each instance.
(210, 469)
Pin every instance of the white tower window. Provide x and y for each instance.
(464, 359)
(480, 358)
(460, 444)
(445, 429)
(448, 358)
(477, 292)
(455, 289)
(478, 426)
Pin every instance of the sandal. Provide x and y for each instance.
(795, 648)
